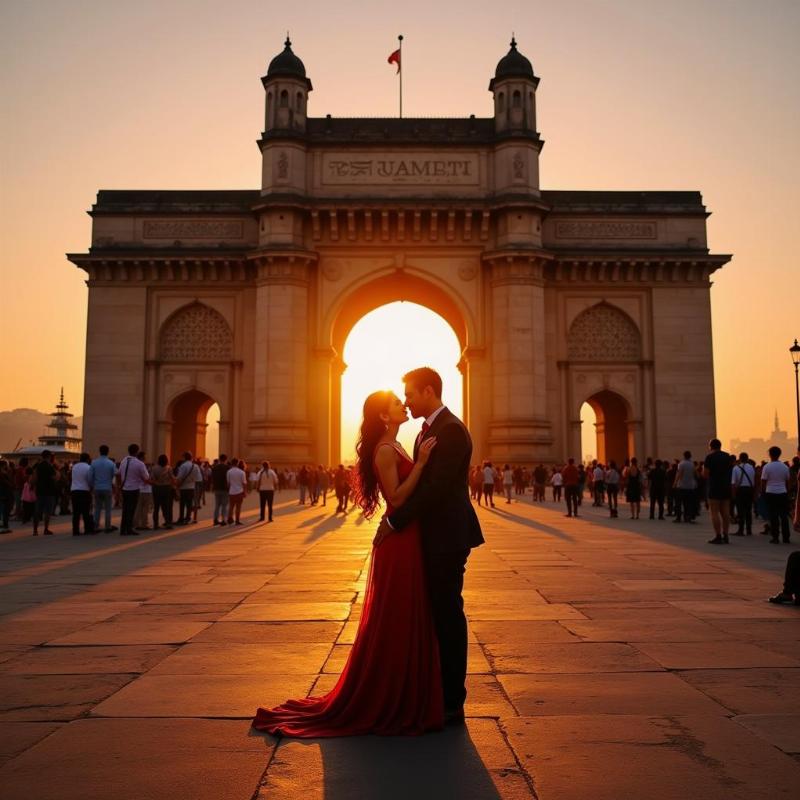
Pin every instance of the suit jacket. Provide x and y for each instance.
(440, 502)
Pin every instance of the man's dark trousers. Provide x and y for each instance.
(266, 498)
(130, 498)
(81, 507)
(744, 509)
(445, 577)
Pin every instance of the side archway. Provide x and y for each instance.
(187, 415)
(612, 428)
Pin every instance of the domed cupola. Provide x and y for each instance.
(287, 89)
(513, 65)
(286, 64)
(514, 88)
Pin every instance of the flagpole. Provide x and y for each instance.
(400, 39)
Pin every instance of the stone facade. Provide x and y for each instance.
(247, 297)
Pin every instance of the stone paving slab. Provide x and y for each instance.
(749, 691)
(87, 660)
(599, 643)
(653, 757)
(141, 759)
(605, 693)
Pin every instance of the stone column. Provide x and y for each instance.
(519, 430)
(477, 398)
(281, 429)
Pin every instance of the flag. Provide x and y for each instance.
(394, 58)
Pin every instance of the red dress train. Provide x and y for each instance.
(391, 684)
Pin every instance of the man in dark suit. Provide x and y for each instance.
(448, 524)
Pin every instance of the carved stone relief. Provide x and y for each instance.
(603, 333)
(196, 333)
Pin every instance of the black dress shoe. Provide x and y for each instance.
(780, 598)
(716, 540)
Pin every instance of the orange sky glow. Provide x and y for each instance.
(634, 94)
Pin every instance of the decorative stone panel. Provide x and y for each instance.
(196, 333)
(604, 333)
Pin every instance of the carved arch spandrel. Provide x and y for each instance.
(195, 332)
(604, 333)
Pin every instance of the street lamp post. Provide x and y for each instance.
(795, 352)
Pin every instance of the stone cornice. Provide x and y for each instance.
(658, 268)
(144, 268)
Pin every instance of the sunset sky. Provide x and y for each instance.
(635, 94)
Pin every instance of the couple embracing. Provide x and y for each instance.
(407, 668)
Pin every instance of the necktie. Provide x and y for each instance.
(421, 435)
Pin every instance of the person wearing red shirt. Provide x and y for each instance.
(571, 478)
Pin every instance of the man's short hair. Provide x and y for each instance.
(687, 454)
(46, 454)
(223, 458)
(744, 457)
(86, 458)
(133, 449)
(103, 449)
(715, 444)
(424, 376)
(774, 451)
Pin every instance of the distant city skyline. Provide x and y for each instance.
(633, 96)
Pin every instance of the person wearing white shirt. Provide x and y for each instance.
(237, 489)
(775, 486)
(508, 481)
(266, 483)
(81, 494)
(743, 484)
(488, 483)
(557, 482)
(186, 478)
(144, 508)
(131, 477)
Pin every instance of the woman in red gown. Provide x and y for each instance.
(391, 684)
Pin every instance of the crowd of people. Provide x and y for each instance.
(152, 495)
(732, 488)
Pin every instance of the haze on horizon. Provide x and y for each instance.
(634, 95)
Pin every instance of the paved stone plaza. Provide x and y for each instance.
(608, 659)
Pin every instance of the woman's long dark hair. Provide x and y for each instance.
(365, 492)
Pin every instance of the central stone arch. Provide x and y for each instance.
(374, 291)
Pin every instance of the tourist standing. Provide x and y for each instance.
(488, 483)
(144, 508)
(508, 482)
(557, 482)
(324, 483)
(20, 479)
(219, 484)
(539, 483)
(132, 476)
(611, 479)
(237, 490)
(685, 486)
(81, 496)
(571, 478)
(102, 473)
(6, 495)
(266, 483)
(775, 487)
(657, 478)
(717, 472)
(302, 483)
(186, 478)
(45, 483)
(163, 491)
(340, 488)
(598, 484)
(743, 483)
(633, 487)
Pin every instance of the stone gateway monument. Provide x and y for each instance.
(246, 298)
